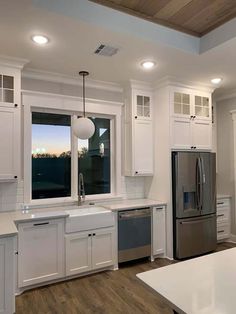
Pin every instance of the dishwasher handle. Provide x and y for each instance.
(135, 213)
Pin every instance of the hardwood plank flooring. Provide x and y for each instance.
(103, 293)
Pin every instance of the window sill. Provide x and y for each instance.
(68, 201)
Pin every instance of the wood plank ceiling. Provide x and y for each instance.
(195, 17)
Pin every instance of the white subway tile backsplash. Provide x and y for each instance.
(133, 187)
(11, 196)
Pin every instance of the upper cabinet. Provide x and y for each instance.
(191, 119)
(10, 111)
(138, 131)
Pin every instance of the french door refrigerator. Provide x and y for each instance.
(194, 203)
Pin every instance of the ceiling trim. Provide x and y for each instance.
(12, 62)
(70, 80)
(225, 96)
(173, 81)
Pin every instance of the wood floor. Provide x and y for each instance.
(107, 292)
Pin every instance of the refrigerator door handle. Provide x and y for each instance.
(198, 185)
(203, 171)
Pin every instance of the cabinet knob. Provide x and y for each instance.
(89, 234)
(136, 172)
(94, 234)
(191, 147)
(15, 105)
(194, 117)
(136, 117)
(15, 177)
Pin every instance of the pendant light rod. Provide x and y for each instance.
(84, 73)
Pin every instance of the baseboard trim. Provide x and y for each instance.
(232, 238)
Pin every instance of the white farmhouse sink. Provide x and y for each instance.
(88, 218)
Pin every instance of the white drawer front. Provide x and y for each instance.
(223, 232)
(224, 202)
(223, 215)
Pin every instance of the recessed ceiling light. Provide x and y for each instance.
(40, 40)
(216, 80)
(147, 64)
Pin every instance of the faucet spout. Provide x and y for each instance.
(81, 191)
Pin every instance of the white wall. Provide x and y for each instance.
(225, 157)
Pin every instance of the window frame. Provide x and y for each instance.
(115, 145)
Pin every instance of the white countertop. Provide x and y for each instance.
(8, 220)
(203, 285)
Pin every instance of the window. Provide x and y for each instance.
(51, 155)
(52, 169)
(94, 159)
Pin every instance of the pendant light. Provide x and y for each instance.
(83, 128)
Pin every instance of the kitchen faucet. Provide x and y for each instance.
(81, 192)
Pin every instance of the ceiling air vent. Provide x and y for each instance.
(106, 50)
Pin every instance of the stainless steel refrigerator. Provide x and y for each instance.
(194, 203)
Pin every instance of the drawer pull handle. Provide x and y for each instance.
(220, 215)
(94, 234)
(220, 203)
(220, 231)
(41, 224)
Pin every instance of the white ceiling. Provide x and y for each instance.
(73, 41)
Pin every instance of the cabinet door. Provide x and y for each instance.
(181, 133)
(78, 253)
(7, 295)
(9, 143)
(143, 148)
(159, 230)
(202, 107)
(202, 134)
(142, 102)
(181, 104)
(40, 251)
(103, 246)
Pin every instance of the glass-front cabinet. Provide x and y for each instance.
(142, 105)
(6, 88)
(202, 106)
(181, 103)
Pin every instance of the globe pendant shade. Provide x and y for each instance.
(83, 128)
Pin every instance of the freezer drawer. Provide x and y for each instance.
(195, 236)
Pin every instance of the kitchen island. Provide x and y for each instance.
(203, 285)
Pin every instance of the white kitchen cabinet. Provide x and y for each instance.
(9, 143)
(191, 122)
(40, 251)
(7, 295)
(78, 253)
(138, 132)
(143, 148)
(103, 247)
(159, 230)
(223, 214)
(90, 250)
(10, 138)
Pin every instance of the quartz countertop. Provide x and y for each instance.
(9, 220)
(203, 285)
(134, 203)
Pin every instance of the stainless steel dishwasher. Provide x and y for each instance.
(134, 234)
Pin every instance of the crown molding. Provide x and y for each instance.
(70, 80)
(75, 98)
(139, 85)
(17, 63)
(173, 81)
(225, 95)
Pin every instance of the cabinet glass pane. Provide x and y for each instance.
(186, 109)
(146, 112)
(8, 82)
(205, 101)
(186, 99)
(0, 94)
(198, 101)
(199, 111)
(177, 108)
(177, 97)
(8, 95)
(139, 111)
(205, 112)
(0, 81)
(146, 101)
(139, 100)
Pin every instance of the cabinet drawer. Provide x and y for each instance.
(224, 202)
(223, 232)
(223, 215)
